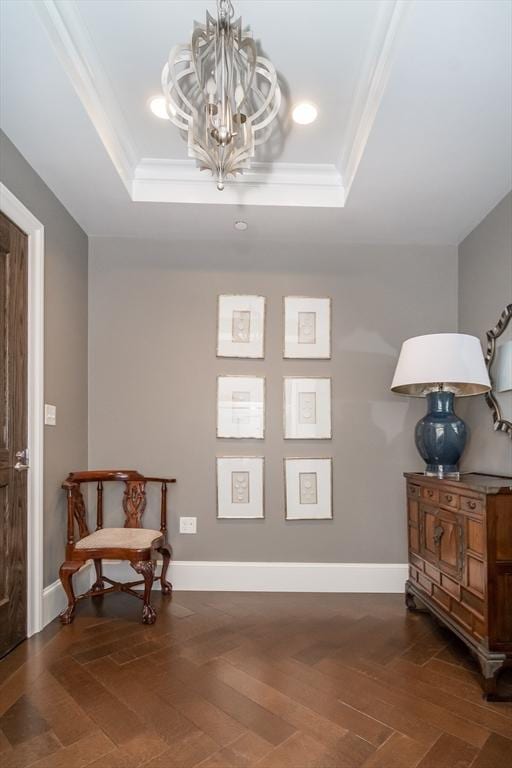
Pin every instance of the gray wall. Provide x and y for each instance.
(152, 379)
(485, 288)
(65, 378)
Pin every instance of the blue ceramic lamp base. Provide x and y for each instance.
(441, 436)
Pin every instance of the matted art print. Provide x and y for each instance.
(241, 326)
(307, 408)
(240, 487)
(241, 406)
(308, 489)
(307, 327)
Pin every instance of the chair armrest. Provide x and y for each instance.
(160, 479)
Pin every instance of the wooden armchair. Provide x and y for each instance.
(134, 543)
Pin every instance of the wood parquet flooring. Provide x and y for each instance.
(236, 680)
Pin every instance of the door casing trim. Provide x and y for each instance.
(34, 229)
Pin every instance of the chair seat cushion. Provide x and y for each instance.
(119, 538)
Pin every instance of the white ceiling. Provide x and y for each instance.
(413, 143)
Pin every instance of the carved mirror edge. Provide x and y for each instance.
(500, 424)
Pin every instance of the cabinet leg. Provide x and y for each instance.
(412, 602)
(146, 568)
(491, 669)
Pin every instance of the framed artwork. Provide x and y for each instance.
(307, 408)
(308, 489)
(241, 326)
(307, 327)
(241, 406)
(240, 487)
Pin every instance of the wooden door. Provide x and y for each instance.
(13, 435)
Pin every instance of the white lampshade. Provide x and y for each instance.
(454, 360)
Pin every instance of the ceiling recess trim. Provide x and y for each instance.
(372, 84)
(75, 50)
(291, 184)
(167, 181)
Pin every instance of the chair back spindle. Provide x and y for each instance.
(99, 505)
(163, 508)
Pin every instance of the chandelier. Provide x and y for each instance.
(221, 93)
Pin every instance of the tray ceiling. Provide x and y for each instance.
(414, 115)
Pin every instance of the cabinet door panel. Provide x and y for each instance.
(413, 514)
(428, 546)
(441, 539)
(450, 534)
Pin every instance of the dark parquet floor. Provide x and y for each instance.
(231, 680)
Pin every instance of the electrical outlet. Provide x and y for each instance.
(50, 415)
(188, 524)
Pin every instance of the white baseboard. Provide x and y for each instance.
(278, 577)
(214, 576)
(54, 597)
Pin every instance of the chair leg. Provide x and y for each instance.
(66, 572)
(146, 568)
(166, 552)
(99, 584)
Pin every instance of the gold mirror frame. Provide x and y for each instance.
(500, 424)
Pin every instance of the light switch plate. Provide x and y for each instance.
(188, 524)
(50, 415)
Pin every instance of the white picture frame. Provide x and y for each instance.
(307, 327)
(240, 488)
(307, 408)
(241, 326)
(308, 489)
(241, 407)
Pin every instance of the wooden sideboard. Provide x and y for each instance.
(460, 562)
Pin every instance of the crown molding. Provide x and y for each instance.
(162, 180)
(290, 184)
(76, 52)
(372, 85)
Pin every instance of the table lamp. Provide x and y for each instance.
(439, 367)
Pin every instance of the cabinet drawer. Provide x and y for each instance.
(450, 586)
(479, 629)
(441, 597)
(475, 574)
(448, 499)
(432, 573)
(462, 615)
(475, 536)
(425, 583)
(412, 507)
(474, 603)
(430, 494)
(413, 491)
(474, 506)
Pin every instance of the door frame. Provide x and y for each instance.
(28, 223)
